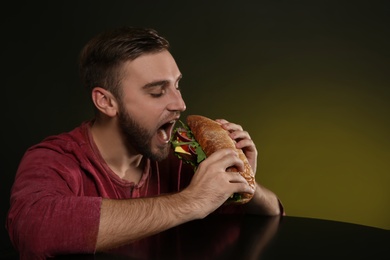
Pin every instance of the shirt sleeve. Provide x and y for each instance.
(49, 214)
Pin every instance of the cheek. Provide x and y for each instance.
(146, 111)
(145, 115)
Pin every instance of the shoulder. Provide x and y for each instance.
(64, 143)
(58, 157)
(65, 148)
(76, 137)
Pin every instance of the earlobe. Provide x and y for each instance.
(104, 101)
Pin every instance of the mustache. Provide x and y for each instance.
(172, 116)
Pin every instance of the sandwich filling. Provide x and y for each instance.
(186, 147)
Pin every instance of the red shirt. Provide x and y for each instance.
(58, 189)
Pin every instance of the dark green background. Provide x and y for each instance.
(308, 79)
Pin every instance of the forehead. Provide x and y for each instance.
(151, 67)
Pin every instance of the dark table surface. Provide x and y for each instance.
(255, 237)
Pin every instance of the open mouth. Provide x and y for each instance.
(165, 131)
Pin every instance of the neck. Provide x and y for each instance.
(123, 161)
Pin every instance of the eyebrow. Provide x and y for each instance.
(159, 83)
(155, 84)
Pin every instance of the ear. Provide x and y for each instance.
(104, 101)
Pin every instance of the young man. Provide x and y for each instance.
(114, 180)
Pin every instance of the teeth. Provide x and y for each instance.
(163, 134)
(163, 131)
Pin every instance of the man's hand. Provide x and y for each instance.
(264, 201)
(243, 141)
(212, 185)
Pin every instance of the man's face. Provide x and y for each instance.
(151, 103)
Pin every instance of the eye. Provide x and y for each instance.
(177, 85)
(158, 94)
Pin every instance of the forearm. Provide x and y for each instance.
(264, 202)
(124, 221)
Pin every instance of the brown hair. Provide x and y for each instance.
(102, 57)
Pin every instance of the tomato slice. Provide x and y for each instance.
(185, 148)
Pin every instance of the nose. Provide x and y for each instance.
(176, 102)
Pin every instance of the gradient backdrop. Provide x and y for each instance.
(308, 79)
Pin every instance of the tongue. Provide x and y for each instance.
(163, 135)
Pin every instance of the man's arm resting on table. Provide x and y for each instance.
(124, 221)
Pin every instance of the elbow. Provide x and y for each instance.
(28, 241)
(31, 236)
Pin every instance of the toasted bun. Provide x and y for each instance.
(212, 137)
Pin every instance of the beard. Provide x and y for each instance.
(139, 137)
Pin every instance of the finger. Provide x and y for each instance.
(247, 144)
(222, 121)
(236, 177)
(229, 126)
(238, 135)
(240, 187)
(234, 163)
(226, 158)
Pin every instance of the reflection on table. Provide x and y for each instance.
(215, 237)
(255, 237)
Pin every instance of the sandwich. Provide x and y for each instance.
(200, 137)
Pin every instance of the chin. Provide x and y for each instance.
(161, 153)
